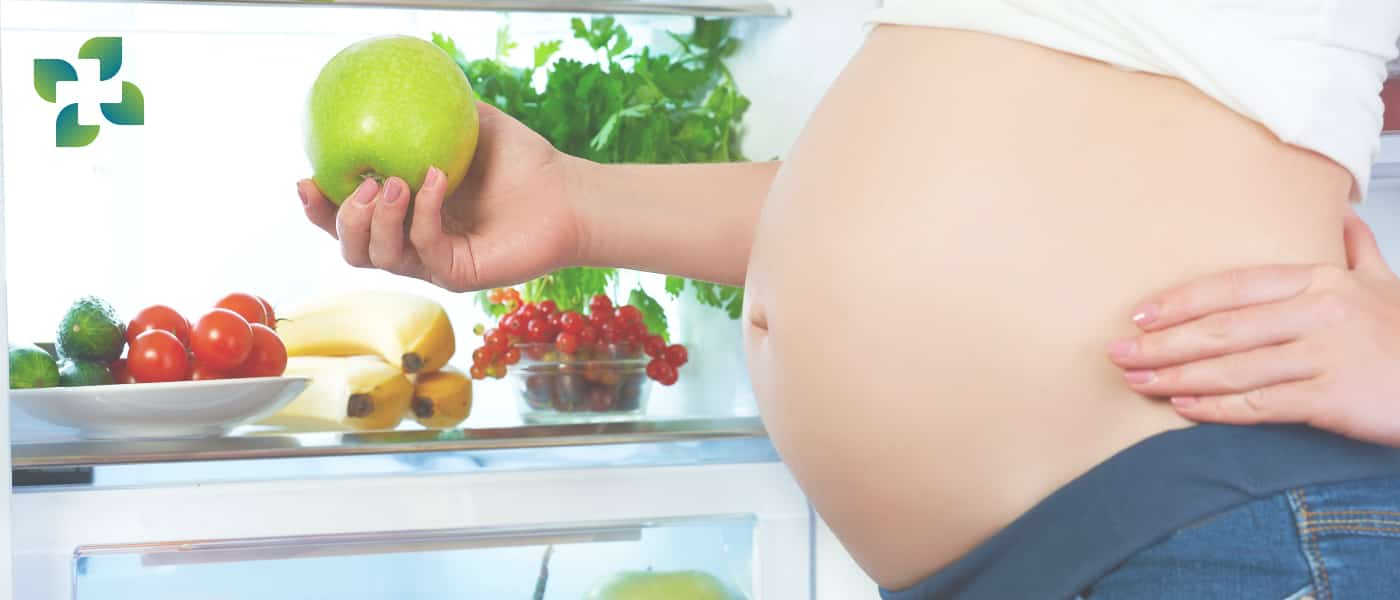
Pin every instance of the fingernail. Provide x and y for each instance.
(1145, 315)
(365, 193)
(393, 190)
(1122, 348)
(1140, 377)
(434, 177)
(301, 192)
(1184, 401)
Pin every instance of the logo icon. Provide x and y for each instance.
(107, 51)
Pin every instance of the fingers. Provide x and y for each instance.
(1221, 292)
(1293, 402)
(318, 209)
(446, 258)
(387, 249)
(1216, 334)
(1363, 253)
(1230, 374)
(353, 223)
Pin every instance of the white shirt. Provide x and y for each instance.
(1309, 70)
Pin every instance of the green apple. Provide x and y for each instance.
(389, 106)
(662, 585)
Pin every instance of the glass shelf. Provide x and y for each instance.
(89, 453)
(562, 561)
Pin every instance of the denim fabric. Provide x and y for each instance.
(1324, 542)
(1197, 513)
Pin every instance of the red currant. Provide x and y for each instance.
(588, 334)
(628, 314)
(512, 355)
(572, 322)
(676, 355)
(539, 329)
(528, 311)
(611, 332)
(548, 307)
(599, 304)
(496, 372)
(478, 372)
(511, 294)
(478, 328)
(497, 339)
(654, 346)
(482, 355)
(496, 295)
(567, 342)
(514, 325)
(553, 319)
(661, 371)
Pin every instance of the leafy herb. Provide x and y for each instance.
(630, 106)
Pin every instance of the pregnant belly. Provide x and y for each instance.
(960, 231)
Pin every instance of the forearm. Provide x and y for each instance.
(693, 220)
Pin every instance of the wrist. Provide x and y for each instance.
(578, 175)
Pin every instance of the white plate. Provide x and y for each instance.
(179, 409)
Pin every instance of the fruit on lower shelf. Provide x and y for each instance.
(409, 331)
(360, 393)
(442, 399)
(662, 585)
(389, 105)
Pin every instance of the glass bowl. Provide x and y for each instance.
(605, 382)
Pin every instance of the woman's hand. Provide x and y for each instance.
(509, 220)
(1282, 344)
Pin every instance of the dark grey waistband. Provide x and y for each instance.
(1139, 497)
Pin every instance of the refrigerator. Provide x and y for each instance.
(193, 200)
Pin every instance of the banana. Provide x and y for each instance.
(442, 399)
(360, 393)
(406, 330)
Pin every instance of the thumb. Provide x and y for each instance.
(1363, 254)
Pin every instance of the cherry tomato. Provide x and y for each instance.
(222, 338)
(120, 374)
(160, 317)
(201, 371)
(247, 306)
(271, 315)
(268, 357)
(157, 355)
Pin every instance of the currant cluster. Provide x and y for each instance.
(571, 333)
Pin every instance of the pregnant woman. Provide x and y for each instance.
(943, 279)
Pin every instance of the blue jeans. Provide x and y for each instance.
(1336, 541)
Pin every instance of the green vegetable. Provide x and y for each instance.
(631, 106)
(90, 330)
(77, 372)
(31, 367)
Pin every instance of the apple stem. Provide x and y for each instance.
(372, 174)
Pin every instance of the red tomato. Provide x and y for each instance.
(201, 371)
(271, 316)
(222, 339)
(158, 355)
(268, 357)
(250, 307)
(120, 374)
(160, 317)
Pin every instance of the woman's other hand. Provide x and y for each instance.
(1281, 344)
(509, 220)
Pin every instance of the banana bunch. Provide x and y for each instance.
(406, 330)
(374, 358)
(361, 393)
(443, 399)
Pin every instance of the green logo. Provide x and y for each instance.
(107, 51)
